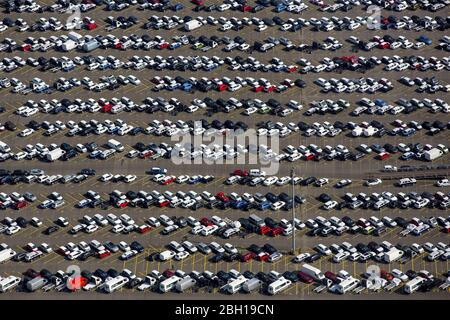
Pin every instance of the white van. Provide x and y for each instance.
(167, 255)
(9, 283)
(278, 286)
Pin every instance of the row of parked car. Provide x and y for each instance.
(243, 6)
(230, 282)
(381, 106)
(50, 24)
(62, 84)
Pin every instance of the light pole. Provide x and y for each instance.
(293, 210)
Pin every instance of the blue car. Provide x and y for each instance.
(238, 204)
(425, 40)
(280, 8)
(264, 205)
(187, 86)
(380, 102)
(157, 170)
(175, 45)
(178, 7)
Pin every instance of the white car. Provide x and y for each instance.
(154, 222)
(230, 248)
(124, 246)
(134, 80)
(36, 222)
(197, 229)
(182, 179)
(372, 182)
(26, 132)
(189, 246)
(181, 255)
(106, 177)
(118, 228)
(301, 257)
(129, 178)
(443, 183)
(270, 181)
(12, 230)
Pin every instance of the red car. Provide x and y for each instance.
(276, 231)
(168, 273)
(164, 45)
(330, 275)
(77, 282)
(270, 88)
(106, 107)
(264, 230)
(222, 197)
(239, 172)
(309, 156)
(304, 277)
(247, 256)
(168, 180)
(103, 254)
(386, 275)
(122, 203)
(246, 8)
(25, 47)
(20, 204)
(91, 26)
(145, 154)
(198, 2)
(222, 87)
(263, 256)
(144, 229)
(258, 88)
(30, 273)
(383, 156)
(163, 203)
(206, 222)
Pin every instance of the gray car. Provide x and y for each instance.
(111, 246)
(29, 196)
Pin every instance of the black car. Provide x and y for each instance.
(313, 257)
(270, 222)
(88, 171)
(308, 181)
(46, 274)
(50, 230)
(361, 247)
(255, 249)
(401, 222)
(291, 275)
(348, 221)
(225, 276)
(271, 197)
(101, 274)
(181, 222)
(248, 274)
(269, 248)
(232, 257)
(10, 126)
(112, 273)
(263, 277)
(324, 198)
(217, 258)
(85, 255)
(137, 246)
(22, 222)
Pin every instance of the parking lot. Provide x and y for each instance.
(154, 241)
